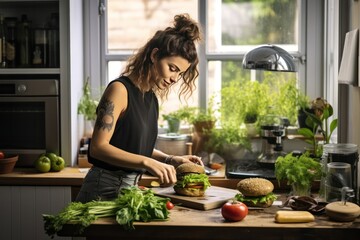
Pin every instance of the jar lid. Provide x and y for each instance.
(340, 148)
(342, 212)
(172, 137)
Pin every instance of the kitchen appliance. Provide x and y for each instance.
(272, 134)
(29, 117)
(173, 144)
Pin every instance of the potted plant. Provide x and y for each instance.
(202, 119)
(174, 118)
(299, 171)
(230, 142)
(87, 107)
(318, 123)
(250, 121)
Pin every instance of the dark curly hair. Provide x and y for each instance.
(178, 40)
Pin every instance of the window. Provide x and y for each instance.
(231, 28)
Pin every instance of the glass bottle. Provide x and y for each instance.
(24, 42)
(53, 39)
(11, 47)
(40, 49)
(2, 43)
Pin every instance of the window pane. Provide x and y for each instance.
(238, 25)
(269, 92)
(132, 23)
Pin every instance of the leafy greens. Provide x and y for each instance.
(132, 204)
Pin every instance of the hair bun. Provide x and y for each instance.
(187, 27)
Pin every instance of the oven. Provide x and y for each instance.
(29, 118)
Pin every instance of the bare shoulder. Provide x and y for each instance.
(116, 95)
(116, 89)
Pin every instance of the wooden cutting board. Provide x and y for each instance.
(214, 197)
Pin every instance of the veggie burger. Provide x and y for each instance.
(256, 192)
(191, 180)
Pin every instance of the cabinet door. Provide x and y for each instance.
(21, 209)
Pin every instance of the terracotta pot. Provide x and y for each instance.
(202, 127)
(7, 164)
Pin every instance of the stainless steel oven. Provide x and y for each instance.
(29, 118)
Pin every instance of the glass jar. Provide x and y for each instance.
(341, 152)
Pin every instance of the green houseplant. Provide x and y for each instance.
(230, 142)
(318, 122)
(299, 171)
(174, 118)
(87, 105)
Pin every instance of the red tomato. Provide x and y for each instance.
(2, 155)
(234, 211)
(169, 205)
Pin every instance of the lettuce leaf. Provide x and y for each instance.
(194, 178)
(261, 199)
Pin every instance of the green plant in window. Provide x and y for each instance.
(227, 137)
(87, 105)
(319, 122)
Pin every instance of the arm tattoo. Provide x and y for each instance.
(105, 112)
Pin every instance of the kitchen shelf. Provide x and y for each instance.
(19, 71)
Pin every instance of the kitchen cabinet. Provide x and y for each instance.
(69, 69)
(22, 207)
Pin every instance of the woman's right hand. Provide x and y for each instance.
(165, 172)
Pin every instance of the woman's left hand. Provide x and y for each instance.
(177, 160)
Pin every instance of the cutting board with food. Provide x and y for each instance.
(214, 197)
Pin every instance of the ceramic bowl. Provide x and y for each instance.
(7, 164)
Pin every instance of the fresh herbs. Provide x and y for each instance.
(301, 170)
(132, 204)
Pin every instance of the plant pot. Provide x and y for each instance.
(251, 129)
(302, 118)
(173, 125)
(88, 128)
(203, 127)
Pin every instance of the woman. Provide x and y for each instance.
(122, 145)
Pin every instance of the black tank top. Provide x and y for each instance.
(137, 129)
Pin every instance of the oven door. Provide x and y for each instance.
(29, 126)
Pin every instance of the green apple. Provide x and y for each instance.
(43, 164)
(58, 164)
(52, 156)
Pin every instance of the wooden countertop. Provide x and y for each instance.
(73, 176)
(29, 176)
(185, 223)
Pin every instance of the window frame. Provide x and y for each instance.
(308, 58)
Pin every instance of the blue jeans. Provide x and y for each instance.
(102, 184)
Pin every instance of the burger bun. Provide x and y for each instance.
(190, 168)
(254, 187)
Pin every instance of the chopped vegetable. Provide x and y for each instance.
(132, 204)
